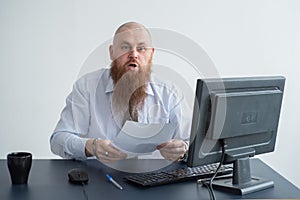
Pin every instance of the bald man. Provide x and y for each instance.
(102, 101)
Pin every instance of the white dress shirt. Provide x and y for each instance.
(88, 113)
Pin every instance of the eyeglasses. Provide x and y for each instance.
(127, 48)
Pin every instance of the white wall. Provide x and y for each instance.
(43, 45)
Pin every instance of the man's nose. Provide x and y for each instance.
(133, 53)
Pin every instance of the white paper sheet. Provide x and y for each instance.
(137, 138)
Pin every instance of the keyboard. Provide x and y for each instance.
(178, 175)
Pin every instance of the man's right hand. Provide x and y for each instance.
(104, 151)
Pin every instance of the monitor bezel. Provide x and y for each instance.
(201, 114)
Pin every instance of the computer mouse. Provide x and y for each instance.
(78, 176)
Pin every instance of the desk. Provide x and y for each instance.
(48, 180)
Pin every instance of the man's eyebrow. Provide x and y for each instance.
(124, 42)
(141, 43)
(128, 43)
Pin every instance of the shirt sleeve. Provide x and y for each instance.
(68, 139)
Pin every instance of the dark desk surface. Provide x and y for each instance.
(48, 180)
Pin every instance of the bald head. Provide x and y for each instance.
(132, 26)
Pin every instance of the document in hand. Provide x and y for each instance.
(139, 138)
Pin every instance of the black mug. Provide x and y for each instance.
(19, 164)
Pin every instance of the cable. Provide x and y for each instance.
(208, 184)
(84, 191)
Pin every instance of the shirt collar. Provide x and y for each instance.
(110, 87)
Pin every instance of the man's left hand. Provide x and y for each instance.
(173, 150)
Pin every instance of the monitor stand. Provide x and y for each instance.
(242, 182)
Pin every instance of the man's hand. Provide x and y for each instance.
(104, 151)
(173, 150)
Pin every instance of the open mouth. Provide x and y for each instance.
(132, 65)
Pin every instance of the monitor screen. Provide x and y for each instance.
(240, 113)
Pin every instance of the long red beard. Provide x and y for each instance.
(129, 92)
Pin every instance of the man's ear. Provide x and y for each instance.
(111, 52)
(152, 52)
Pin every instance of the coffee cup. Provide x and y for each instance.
(19, 164)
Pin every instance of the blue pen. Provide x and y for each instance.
(114, 182)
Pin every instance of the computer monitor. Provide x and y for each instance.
(242, 114)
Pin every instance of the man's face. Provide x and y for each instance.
(131, 49)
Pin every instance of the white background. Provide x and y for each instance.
(44, 44)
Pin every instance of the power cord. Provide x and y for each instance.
(208, 184)
(84, 191)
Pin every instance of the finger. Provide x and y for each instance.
(174, 147)
(113, 152)
(171, 157)
(108, 159)
(162, 145)
(176, 143)
(178, 150)
(105, 147)
(172, 144)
